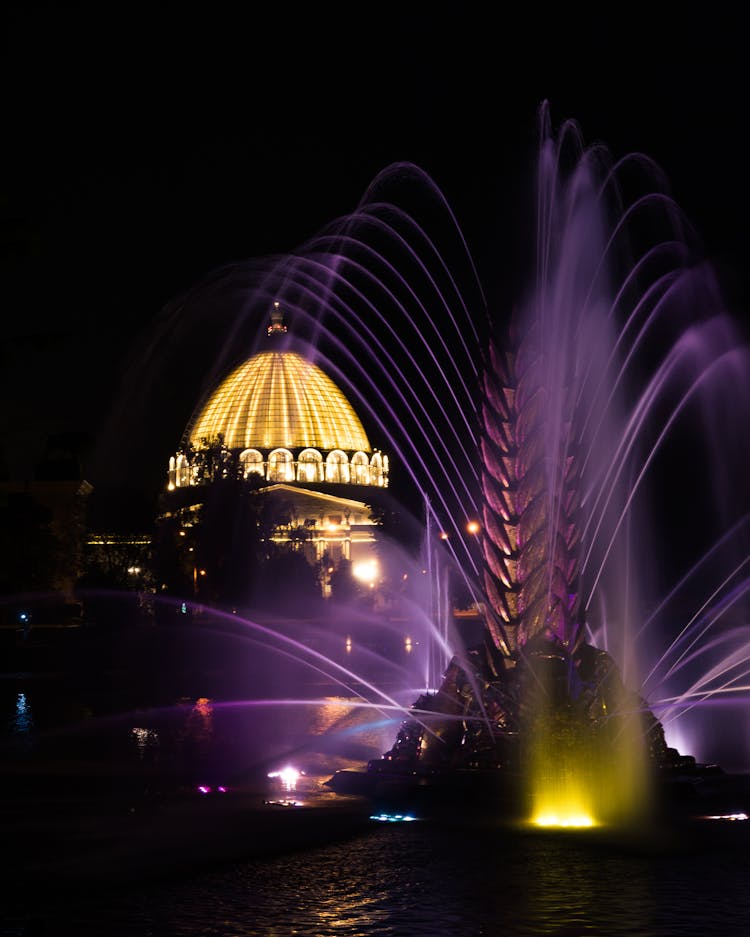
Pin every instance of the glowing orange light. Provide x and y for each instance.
(203, 706)
(473, 527)
(367, 571)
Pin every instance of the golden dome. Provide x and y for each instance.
(279, 399)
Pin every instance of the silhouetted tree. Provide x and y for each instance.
(219, 544)
(289, 583)
(345, 588)
(211, 460)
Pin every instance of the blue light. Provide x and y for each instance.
(392, 817)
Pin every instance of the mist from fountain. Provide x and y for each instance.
(636, 350)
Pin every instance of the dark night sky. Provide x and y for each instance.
(141, 150)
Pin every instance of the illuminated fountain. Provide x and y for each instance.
(582, 440)
(620, 343)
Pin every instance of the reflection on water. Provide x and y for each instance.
(21, 723)
(428, 880)
(146, 741)
(397, 880)
(193, 740)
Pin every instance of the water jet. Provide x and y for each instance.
(619, 337)
(551, 453)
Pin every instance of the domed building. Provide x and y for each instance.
(279, 422)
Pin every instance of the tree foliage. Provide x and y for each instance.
(227, 543)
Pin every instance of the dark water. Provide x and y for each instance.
(426, 880)
(421, 879)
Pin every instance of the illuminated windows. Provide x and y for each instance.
(280, 467)
(285, 421)
(310, 466)
(337, 467)
(251, 462)
(360, 472)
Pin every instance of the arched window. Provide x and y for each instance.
(337, 467)
(360, 469)
(310, 466)
(376, 469)
(280, 466)
(251, 461)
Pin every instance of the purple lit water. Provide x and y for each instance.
(390, 304)
(635, 340)
(633, 371)
(424, 878)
